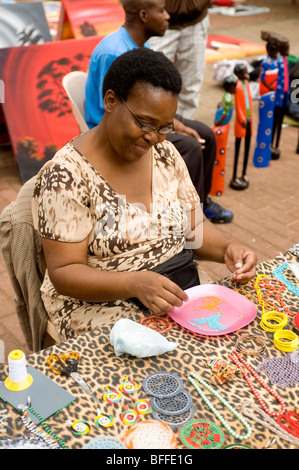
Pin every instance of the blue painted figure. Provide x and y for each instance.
(281, 95)
(268, 80)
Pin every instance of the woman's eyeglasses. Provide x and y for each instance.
(146, 127)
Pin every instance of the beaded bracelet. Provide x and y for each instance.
(250, 352)
(285, 340)
(280, 318)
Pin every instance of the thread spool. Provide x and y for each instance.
(18, 378)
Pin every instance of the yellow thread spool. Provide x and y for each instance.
(18, 378)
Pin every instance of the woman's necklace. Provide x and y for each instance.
(191, 378)
(261, 381)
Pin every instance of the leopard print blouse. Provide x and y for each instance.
(73, 201)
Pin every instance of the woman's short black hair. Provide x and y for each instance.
(142, 65)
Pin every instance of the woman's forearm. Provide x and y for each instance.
(92, 285)
(214, 243)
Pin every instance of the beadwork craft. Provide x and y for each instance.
(150, 434)
(79, 427)
(157, 323)
(249, 337)
(292, 420)
(104, 421)
(142, 407)
(266, 421)
(222, 371)
(175, 405)
(201, 434)
(278, 274)
(130, 417)
(42, 432)
(193, 378)
(282, 371)
(162, 384)
(285, 340)
(128, 386)
(23, 442)
(280, 320)
(3, 416)
(274, 290)
(261, 381)
(105, 442)
(175, 421)
(112, 396)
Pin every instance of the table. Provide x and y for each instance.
(101, 368)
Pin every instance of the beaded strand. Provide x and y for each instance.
(43, 432)
(262, 382)
(191, 378)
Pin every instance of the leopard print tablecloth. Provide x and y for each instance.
(101, 368)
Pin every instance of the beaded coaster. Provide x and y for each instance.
(150, 434)
(175, 405)
(162, 384)
(201, 434)
(175, 421)
(105, 442)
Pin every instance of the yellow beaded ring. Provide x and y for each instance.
(285, 340)
(278, 317)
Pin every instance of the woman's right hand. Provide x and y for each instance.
(158, 293)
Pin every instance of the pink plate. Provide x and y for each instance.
(214, 310)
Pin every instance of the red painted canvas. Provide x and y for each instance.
(82, 18)
(37, 111)
(225, 47)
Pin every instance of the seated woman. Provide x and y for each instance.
(117, 201)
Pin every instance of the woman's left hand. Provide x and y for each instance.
(241, 261)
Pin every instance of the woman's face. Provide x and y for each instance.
(150, 105)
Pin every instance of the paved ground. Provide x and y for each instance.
(266, 215)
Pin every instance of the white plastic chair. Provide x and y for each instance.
(74, 85)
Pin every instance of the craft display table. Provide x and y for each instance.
(101, 368)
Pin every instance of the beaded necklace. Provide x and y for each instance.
(191, 378)
(278, 274)
(274, 290)
(261, 381)
(267, 422)
(43, 432)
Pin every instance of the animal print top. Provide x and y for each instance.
(73, 201)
